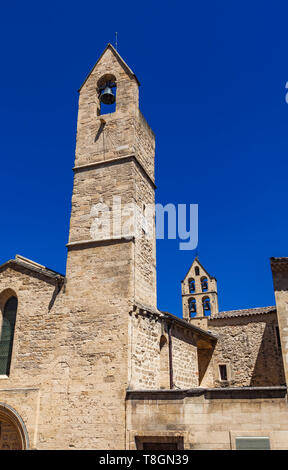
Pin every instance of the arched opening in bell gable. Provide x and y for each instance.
(107, 90)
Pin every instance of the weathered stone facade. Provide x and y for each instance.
(93, 363)
(248, 346)
(205, 419)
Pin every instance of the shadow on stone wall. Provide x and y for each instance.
(268, 369)
(204, 359)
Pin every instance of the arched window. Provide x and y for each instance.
(191, 285)
(7, 327)
(206, 306)
(204, 284)
(197, 272)
(192, 308)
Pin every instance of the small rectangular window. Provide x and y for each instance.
(252, 443)
(223, 372)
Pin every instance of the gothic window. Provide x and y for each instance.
(192, 308)
(204, 284)
(206, 306)
(197, 272)
(191, 285)
(7, 326)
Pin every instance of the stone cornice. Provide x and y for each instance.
(193, 294)
(209, 393)
(115, 161)
(90, 243)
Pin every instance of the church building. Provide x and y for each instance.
(88, 361)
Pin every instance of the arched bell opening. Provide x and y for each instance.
(107, 88)
(192, 307)
(206, 306)
(13, 433)
(191, 283)
(204, 284)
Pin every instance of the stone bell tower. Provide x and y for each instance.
(199, 295)
(111, 262)
(114, 167)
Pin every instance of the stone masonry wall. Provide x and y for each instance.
(248, 345)
(145, 358)
(207, 424)
(145, 241)
(185, 363)
(68, 375)
(32, 382)
(98, 186)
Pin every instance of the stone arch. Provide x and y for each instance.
(192, 305)
(204, 283)
(206, 305)
(108, 77)
(191, 285)
(106, 80)
(13, 432)
(5, 295)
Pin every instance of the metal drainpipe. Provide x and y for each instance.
(170, 356)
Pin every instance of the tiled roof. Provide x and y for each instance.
(32, 266)
(243, 313)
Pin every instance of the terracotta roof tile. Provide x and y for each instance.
(243, 313)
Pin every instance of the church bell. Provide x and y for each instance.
(107, 97)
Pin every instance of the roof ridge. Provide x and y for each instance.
(32, 266)
(245, 312)
(249, 308)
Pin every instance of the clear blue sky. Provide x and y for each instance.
(213, 78)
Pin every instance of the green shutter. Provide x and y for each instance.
(252, 443)
(7, 335)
